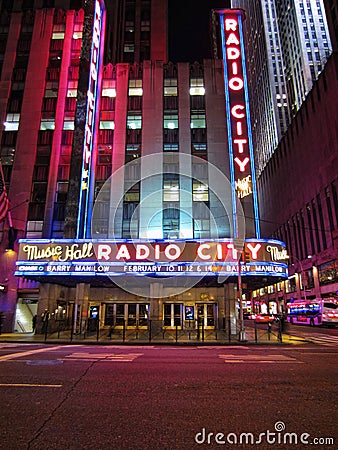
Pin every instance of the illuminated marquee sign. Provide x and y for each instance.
(238, 116)
(162, 258)
(89, 131)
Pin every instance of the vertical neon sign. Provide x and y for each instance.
(242, 165)
(88, 161)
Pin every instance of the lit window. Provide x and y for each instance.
(170, 121)
(200, 192)
(59, 31)
(47, 124)
(51, 89)
(72, 89)
(197, 86)
(171, 191)
(12, 122)
(170, 147)
(129, 48)
(170, 87)
(108, 88)
(58, 35)
(107, 125)
(135, 88)
(77, 35)
(198, 121)
(68, 124)
(134, 121)
(199, 147)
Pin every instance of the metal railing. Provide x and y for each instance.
(156, 332)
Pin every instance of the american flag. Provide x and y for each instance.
(4, 202)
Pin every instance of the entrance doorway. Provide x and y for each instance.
(207, 314)
(132, 315)
(26, 309)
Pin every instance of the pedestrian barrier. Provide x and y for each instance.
(156, 332)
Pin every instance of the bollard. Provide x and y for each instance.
(149, 329)
(256, 333)
(124, 331)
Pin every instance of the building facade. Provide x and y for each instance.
(97, 155)
(288, 46)
(304, 168)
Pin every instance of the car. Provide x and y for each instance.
(264, 318)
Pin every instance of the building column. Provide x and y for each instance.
(81, 306)
(156, 306)
(230, 294)
(47, 301)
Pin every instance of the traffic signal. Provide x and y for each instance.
(247, 257)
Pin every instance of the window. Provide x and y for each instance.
(134, 121)
(47, 124)
(170, 121)
(68, 123)
(197, 86)
(200, 191)
(72, 88)
(328, 273)
(12, 122)
(51, 89)
(107, 125)
(170, 87)
(170, 147)
(129, 48)
(135, 88)
(197, 120)
(108, 88)
(7, 156)
(171, 188)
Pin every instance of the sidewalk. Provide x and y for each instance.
(133, 338)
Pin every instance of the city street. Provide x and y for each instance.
(171, 397)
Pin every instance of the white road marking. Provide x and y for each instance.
(102, 357)
(30, 385)
(29, 352)
(258, 359)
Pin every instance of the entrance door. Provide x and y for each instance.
(172, 314)
(129, 314)
(206, 314)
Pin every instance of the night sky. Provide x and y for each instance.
(189, 37)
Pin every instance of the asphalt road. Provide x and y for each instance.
(116, 397)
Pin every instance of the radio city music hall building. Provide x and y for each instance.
(132, 183)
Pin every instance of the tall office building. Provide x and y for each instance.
(288, 46)
(127, 180)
